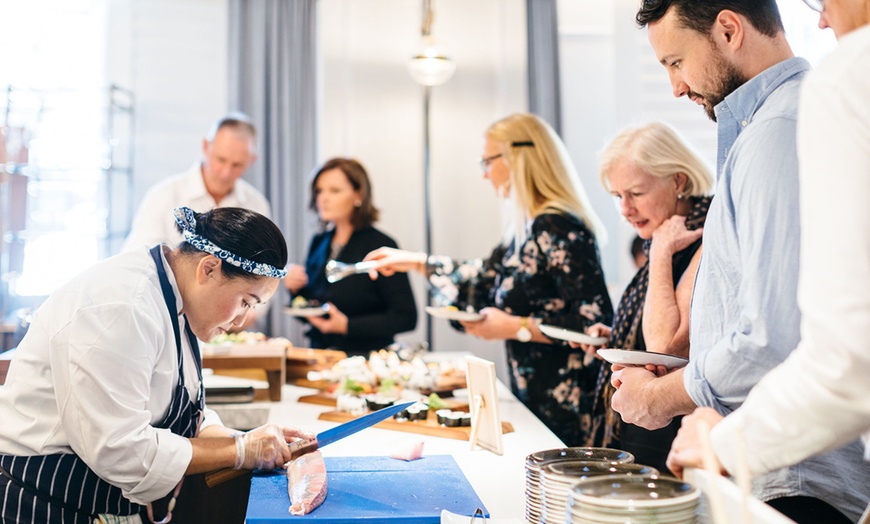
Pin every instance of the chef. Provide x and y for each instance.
(103, 410)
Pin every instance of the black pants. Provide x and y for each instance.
(808, 510)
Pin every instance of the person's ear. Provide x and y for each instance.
(205, 144)
(208, 268)
(728, 30)
(681, 181)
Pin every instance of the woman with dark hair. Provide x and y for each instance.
(103, 409)
(364, 315)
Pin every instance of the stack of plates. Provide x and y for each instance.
(633, 499)
(534, 462)
(559, 478)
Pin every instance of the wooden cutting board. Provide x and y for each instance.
(328, 399)
(429, 427)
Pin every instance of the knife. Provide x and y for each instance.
(324, 438)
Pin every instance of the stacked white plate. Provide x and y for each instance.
(559, 478)
(633, 499)
(534, 462)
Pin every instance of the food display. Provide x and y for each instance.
(242, 337)
(302, 302)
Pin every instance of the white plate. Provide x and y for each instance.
(318, 311)
(571, 336)
(454, 314)
(626, 357)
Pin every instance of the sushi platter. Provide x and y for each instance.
(448, 428)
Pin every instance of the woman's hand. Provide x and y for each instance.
(595, 330)
(495, 325)
(335, 323)
(296, 278)
(266, 447)
(391, 261)
(672, 237)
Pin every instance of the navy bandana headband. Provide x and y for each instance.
(186, 218)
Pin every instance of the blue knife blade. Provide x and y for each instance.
(301, 447)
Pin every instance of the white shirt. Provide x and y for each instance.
(819, 398)
(154, 224)
(97, 368)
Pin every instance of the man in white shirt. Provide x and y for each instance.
(215, 181)
(819, 398)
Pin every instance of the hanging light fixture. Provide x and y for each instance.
(430, 66)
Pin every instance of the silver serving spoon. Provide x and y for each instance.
(336, 270)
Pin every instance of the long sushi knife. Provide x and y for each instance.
(324, 438)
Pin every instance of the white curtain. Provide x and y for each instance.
(272, 78)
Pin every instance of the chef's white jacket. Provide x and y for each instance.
(97, 368)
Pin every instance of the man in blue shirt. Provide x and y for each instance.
(732, 58)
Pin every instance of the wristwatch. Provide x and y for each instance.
(524, 334)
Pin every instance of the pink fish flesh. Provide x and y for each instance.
(306, 482)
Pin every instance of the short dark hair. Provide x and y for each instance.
(237, 121)
(366, 213)
(699, 15)
(242, 232)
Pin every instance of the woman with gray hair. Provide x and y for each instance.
(661, 185)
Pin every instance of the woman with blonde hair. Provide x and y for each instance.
(546, 271)
(661, 184)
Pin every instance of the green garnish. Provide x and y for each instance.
(435, 402)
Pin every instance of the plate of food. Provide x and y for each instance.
(454, 313)
(303, 307)
(628, 357)
(571, 336)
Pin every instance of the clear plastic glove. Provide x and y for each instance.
(265, 447)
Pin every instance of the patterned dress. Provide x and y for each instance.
(608, 430)
(556, 278)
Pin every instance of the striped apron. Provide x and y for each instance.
(62, 488)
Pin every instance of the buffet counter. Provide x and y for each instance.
(498, 480)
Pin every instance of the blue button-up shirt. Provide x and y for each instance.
(744, 317)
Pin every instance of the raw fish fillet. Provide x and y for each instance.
(306, 482)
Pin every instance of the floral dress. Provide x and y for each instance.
(556, 278)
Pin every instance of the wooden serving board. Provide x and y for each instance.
(328, 399)
(428, 427)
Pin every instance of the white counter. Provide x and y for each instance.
(498, 480)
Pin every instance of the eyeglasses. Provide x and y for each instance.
(816, 5)
(487, 160)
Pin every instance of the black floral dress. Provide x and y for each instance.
(556, 278)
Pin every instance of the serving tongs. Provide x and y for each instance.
(336, 270)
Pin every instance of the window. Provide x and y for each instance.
(57, 161)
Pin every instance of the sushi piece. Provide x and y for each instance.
(306, 483)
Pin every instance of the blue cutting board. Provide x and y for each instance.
(373, 489)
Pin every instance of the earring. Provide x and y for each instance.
(679, 196)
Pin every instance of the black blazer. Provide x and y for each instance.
(376, 310)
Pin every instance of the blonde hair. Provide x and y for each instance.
(659, 150)
(542, 176)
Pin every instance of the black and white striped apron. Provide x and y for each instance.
(62, 488)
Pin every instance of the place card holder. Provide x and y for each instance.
(486, 428)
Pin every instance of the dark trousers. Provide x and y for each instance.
(808, 510)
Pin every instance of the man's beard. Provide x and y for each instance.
(727, 80)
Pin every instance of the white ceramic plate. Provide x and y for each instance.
(571, 336)
(454, 314)
(318, 311)
(626, 357)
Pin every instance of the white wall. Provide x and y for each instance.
(173, 55)
(372, 110)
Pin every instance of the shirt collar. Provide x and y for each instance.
(194, 187)
(742, 104)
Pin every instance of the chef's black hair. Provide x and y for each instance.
(244, 233)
